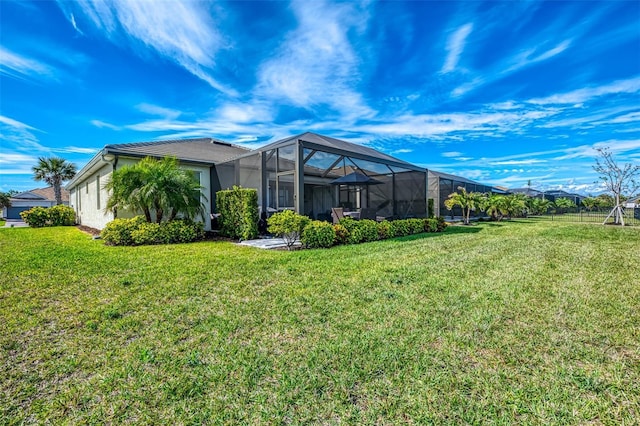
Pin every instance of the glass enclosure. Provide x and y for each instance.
(301, 176)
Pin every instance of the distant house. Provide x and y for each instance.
(554, 195)
(529, 192)
(40, 197)
(632, 203)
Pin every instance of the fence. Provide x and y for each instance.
(631, 217)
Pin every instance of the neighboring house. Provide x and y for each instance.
(529, 192)
(632, 203)
(554, 195)
(299, 173)
(40, 197)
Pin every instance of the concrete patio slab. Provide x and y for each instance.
(267, 243)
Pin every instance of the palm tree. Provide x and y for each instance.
(513, 205)
(159, 186)
(491, 204)
(466, 200)
(541, 206)
(564, 204)
(5, 200)
(54, 171)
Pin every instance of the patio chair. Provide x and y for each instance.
(336, 214)
(368, 213)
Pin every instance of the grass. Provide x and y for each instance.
(2, 222)
(523, 322)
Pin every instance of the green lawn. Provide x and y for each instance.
(523, 322)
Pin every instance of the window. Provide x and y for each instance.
(98, 191)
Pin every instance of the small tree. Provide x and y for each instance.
(5, 200)
(617, 180)
(54, 171)
(468, 201)
(289, 225)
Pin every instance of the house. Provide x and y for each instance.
(39, 197)
(86, 190)
(554, 195)
(529, 192)
(305, 173)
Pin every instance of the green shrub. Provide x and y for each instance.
(181, 231)
(238, 208)
(36, 217)
(342, 234)
(289, 225)
(384, 230)
(147, 233)
(400, 228)
(137, 231)
(62, 215)
(349, 223)
(318, 234)
(59, 215)
(442, 225)
(416, 226)
(118, 231)
(431, 225)
(368, 229)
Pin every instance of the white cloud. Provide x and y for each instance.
(317, 65)
(72, 19)
(104, 125)
(158, 110)
(184, 32)
(16, 65)
(518, 162)
(631, 85)
(455, 46)
(451, 154)
(76, 150)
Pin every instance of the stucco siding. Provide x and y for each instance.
(89, 198)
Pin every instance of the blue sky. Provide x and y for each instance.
(502, 93)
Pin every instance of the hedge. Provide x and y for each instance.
(137, 231)
(238, 208)
(60, 215)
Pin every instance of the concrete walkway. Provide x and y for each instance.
(15, 223)
(267, 243)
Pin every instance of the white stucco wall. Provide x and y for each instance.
(88, 199)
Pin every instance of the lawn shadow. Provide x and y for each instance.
(457, 229)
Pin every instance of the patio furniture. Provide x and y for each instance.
(368, 213)
(355, 215)
(336, 214)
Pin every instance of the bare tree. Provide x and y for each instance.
(618, 180)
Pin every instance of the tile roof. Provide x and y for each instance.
(207, 150)
(42, 193)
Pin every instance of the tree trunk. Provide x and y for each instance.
(57, 191)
